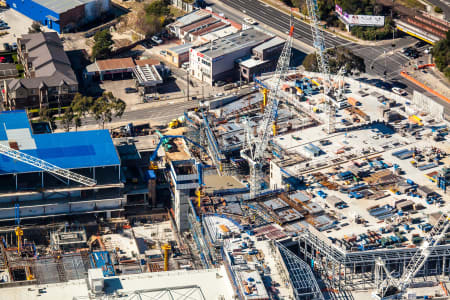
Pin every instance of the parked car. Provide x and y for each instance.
(250, 21)
(157, 40)
(147, 45)
(163, 52)
(398, 91)
(420, 44)
(14, 46)
(6, 46)
(220, 83)
(185, 65)
(129, 90)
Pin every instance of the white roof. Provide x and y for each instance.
(251, 62)
(195, 285)
(211, 36)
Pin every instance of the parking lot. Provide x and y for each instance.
(18, 24)
(117, 87)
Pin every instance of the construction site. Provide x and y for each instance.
(308, 186)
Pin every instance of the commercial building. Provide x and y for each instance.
(218, 59)
(33, 193)
(61, 15)
(49, 78)
(264, 59)
(178, 55)
(192, 27)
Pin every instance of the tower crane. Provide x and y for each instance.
(392, 286)
(322, 62)
(255, 148)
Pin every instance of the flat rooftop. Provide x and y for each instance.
(234, 42)
(68, 150)
(198, 284)
(62, 6)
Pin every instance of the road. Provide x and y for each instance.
(378, 59)
(159, 113)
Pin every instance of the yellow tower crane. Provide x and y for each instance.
(166, 248)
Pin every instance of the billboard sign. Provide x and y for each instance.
(365, 20)
(359, 20)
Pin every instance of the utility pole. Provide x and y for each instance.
(187, 81)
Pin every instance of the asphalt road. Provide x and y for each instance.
(160, 113)
(378, 59)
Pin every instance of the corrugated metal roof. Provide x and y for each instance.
(191, 18)
(233, 42)
(61, 6)
(181, 48)
(68, 150)
(269, 44)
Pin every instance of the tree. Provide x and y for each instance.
(158, 8)
(46, 115)
(81, 105)
(107, 106)
(67, 118)
(438, 9)
(77, 122)
(102, 44)
(337, 58)
(35, 27)
(441, 55)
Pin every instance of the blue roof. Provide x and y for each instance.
(68, 150)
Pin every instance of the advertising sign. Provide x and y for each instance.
(359, 20)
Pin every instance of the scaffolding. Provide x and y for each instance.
(299, 274)
(347, 270)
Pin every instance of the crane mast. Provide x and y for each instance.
(254, 152)
(322, 62)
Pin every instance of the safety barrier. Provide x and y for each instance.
(416, 82)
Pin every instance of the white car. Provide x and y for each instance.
(399, 91)
(157, 40)
(250, 21)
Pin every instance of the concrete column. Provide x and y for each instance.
(108, 215)
(15, 175)
(42, 179)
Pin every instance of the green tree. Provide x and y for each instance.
(67, 118)
(441, 55)
(35, 27)
(158, 8)
(107, 106)
(337, 58)
(77, 122)
(438, 9)
(81, 105)
(102, 44)
(46, 115)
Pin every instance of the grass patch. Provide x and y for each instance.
(176, 12)
(412, 4)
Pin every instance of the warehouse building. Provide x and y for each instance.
(61, 15)
(218, 60)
